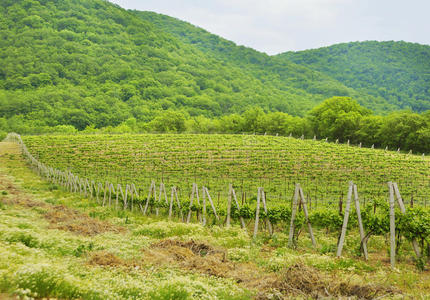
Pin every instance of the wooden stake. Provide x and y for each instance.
(305, 210)
(392, 227)
(119, 191)
(257, 214)
(360, 223)
(151, 191)
(191, 204)
(127, 188)
(242, 222)
(403, 210)
(211, 203)
(293, 215)
(227, 221)
(171, 202)
(345, 221)
(204, 206)
(263, 198)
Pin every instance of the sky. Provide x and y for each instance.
(275, 26)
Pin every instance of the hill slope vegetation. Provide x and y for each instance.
(93, 63)
(399, 72)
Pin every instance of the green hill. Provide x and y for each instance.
(93, 63)
(284, 74)
(397, 71)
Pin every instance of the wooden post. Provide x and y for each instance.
(171, 203)
(403, 210)
(392, 227)
(151, 191)
(227, 220)
(263, 198)
(134, 192)
(199, 215)
(111, 190)
(242, 222)
(127, 188)
(204, 207)
(118, 192)
(191, 204)
(360, 223)
(345, 221)
(305, 210)
(211, 203)
(293, 215)
(257, 214)
(179, 204)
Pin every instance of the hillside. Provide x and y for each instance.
(283, 73)
(90, 62)
(399, 72)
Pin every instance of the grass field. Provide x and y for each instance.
(57, 244)
(248, 161)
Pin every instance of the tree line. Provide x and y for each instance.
(337, 118)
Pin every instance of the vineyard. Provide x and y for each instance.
(246, 161)
(138, 161)
(363, 228)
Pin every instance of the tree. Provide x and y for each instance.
(401, 129)
(337, 118)
(168, 121)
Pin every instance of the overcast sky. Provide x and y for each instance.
(275, 26)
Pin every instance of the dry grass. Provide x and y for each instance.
(104, 258)
(64, 218)
(298, 280)
(302, 280)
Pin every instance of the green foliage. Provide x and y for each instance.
(168, 121)
(337, 117)
(272, 70)
(247, 161)
(92, 63)
(170, 291)
(24, 238)
(102, 67)
(395, 73)
(42, 281)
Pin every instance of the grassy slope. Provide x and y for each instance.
(117, 259)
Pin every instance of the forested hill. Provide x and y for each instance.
(283, 73)
(90, 62)
(397, 71)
